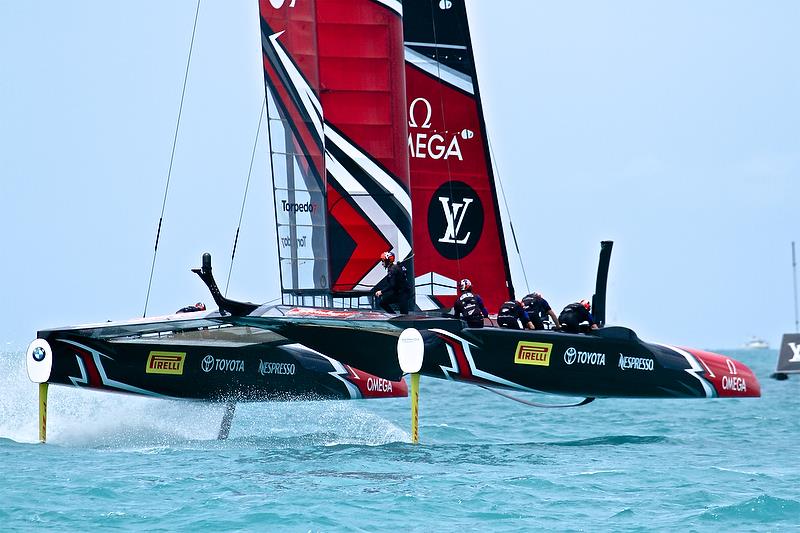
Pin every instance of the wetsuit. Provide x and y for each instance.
(397, 290)
(471, 307)
(510, 314)
(537, 308)
(572, 316)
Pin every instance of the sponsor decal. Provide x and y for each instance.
(210, 363)
(277, 4)
(300, 241)
(38, 354)
(269, 367)
(332, 313)
(379, 385)
(323, 313)
(432, 144)
(629, 362)
(734, 383)
(533, 353)
(294, 207)
(455, 219)
(165, 363)
(795, 352)
(572, 356)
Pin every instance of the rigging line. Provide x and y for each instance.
(171, 158)
(508, 211)
(794, 278)
(246, 189)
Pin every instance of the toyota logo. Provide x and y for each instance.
(570, 355)
(208, 363)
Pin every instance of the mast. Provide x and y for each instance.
(794, 278)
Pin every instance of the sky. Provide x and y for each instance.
(671, 128)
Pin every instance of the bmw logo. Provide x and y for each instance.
(38, 354)
(208, 363)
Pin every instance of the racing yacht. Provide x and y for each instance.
(375, 121)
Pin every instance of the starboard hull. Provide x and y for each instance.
(584, 364)
(609, 362)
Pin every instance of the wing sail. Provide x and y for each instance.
(458, 232)
(335, 88)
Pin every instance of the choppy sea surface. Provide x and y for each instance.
(127, 463)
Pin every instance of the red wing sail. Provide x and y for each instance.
(363, 94)
(457, 231)
(336, 87)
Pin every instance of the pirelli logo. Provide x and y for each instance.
(533, 353)
(166, 363)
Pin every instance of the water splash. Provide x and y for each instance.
(326, 423)
(88, 418)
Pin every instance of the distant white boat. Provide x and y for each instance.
(756, 344)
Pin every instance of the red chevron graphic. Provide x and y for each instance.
(369, 242)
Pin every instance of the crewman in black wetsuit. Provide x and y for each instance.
(394, 287)
(470, 306)
(573, 315)
(199, 306)
(513, 316)
(538, 308)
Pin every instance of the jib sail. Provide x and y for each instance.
(296, 132)
(457, 228)
(335, 89)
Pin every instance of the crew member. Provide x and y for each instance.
(574, 315)
(394, 287)
(513, 316)
(470, 305)
(538, 308)
(199, 306)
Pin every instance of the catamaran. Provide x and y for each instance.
(375, 121)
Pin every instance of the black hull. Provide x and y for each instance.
(291, 353)
(568, 364)
(609, 362)
(217, 364)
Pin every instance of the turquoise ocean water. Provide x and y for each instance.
(125, 463)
